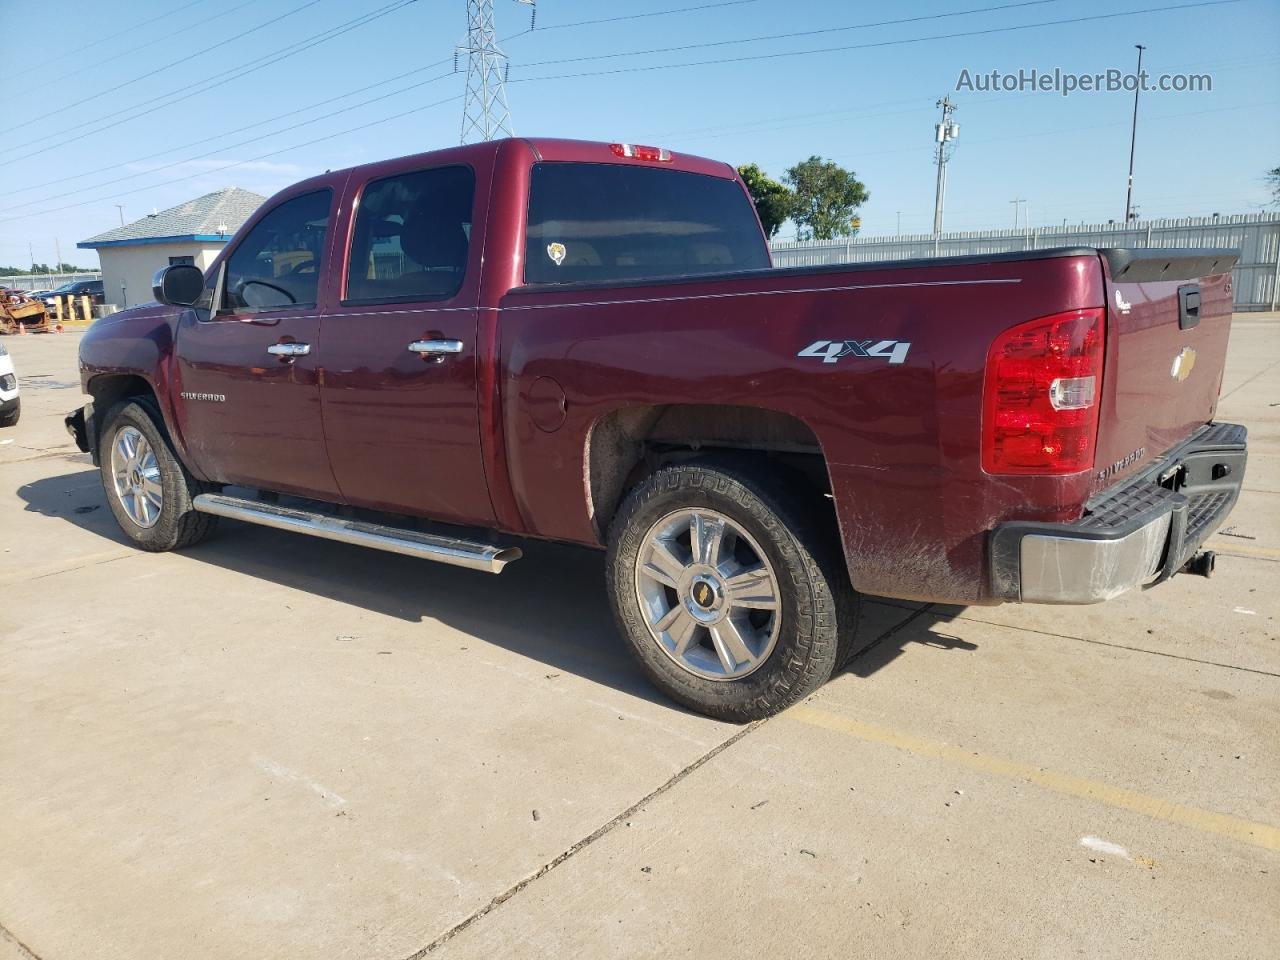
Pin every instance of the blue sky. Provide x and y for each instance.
(142, 104)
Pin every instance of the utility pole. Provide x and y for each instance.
(485, 115)
(1133, 136)
(944, 132)
(57, 247)
(120, 209)
(1017, 207)
(31, 252)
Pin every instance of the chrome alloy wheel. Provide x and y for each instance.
(136, 475)
(708, 594)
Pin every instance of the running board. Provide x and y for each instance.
(411, 543)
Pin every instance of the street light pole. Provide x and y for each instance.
(1133, 135)
(1017, 208)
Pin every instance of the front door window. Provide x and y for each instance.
(277, 266)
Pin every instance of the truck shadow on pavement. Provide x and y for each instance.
(550, 606)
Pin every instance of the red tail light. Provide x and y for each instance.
(636, 151)
(1040, 402)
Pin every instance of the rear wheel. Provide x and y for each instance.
(10, 417)
(730, 594)
(148, 489)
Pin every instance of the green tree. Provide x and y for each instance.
(826, 197)
(1273, 181)
(773, 201)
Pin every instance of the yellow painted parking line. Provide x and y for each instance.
(1258, 834)
(1242, 550)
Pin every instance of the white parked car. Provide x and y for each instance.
(10, 403)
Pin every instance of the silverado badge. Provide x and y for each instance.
(1182, 364)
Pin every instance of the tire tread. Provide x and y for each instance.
(824, 611)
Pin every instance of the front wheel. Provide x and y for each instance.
(729, 592)
(147, 488)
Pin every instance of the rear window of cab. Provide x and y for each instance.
(605, 221)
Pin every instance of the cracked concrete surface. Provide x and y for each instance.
(274, 747)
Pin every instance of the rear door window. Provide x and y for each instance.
(411, 237)
(603, 222)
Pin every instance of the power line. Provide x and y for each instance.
(240, 163)
(120, 33)
(96, 65)
(208, 83)
(181, 61)
(768, 122)
(867, 46)
(223, 147)
(630, 16)
(777, 123)
(240, 128)
(326, 102)
(625, 70)
(1039, 134)
(787, 36)
(298, 146)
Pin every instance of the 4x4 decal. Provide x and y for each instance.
(895, 351)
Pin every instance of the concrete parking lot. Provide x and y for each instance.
(271, 746)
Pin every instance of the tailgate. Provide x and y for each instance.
(1168, 320)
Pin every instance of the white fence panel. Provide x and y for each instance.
(1255, 280)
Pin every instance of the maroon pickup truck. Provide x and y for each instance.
(586, 342)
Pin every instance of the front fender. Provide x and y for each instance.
(129, 353)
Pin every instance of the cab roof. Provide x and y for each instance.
(549, 149)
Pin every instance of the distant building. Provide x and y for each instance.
(192, 232)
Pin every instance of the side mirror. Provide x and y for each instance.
(179, 285)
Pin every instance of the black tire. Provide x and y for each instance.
(818, 608)
(179, 524)
(10, 417)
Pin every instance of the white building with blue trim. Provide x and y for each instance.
(192, 232)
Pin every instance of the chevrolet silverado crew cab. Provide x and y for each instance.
(585, 342)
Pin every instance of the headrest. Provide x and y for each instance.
(433, 241)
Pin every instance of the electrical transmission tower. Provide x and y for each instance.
(485, 115)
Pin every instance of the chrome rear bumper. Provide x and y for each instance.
(1137, 534)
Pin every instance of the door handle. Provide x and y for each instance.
(436, 350)
(289, 350)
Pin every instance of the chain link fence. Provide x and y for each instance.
(46, 281)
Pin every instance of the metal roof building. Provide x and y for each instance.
(192, 232)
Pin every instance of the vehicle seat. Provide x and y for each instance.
(438, 246)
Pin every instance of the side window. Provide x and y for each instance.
(277, 265)
(604, 222)
(411, 237)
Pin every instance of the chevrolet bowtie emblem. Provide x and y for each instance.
(1182, 364)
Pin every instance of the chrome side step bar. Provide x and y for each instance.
(411, 543)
